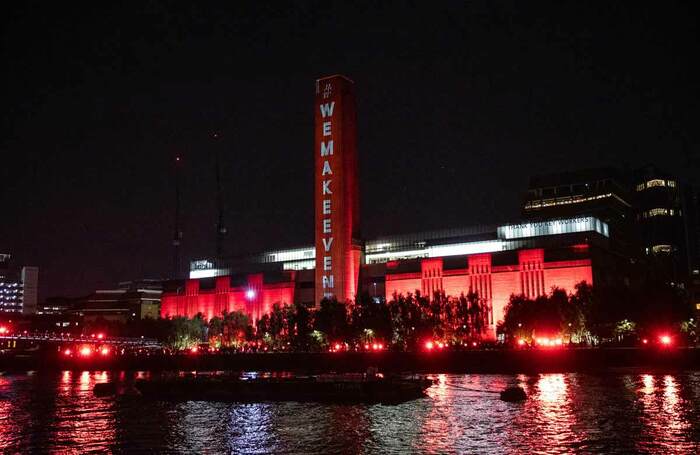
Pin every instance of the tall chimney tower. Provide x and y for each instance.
(338, 251)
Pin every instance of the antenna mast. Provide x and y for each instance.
(177, 234)
(220, 226)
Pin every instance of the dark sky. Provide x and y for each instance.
(458, 104)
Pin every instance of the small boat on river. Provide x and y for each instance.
(362, 388)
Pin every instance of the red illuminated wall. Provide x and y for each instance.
(531, 276)
(336, 190)
(223, 297)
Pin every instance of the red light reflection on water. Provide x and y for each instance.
(548, 413)
(664, 416)
(85, 422)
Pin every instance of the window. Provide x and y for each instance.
(659, 249)
(656, 182)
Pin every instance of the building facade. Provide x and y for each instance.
(18, 287)
(578, 227)
(494, 262)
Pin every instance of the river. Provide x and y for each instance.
(622, 411)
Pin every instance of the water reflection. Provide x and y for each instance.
(612, 413)
(666, 417)
(84, 423)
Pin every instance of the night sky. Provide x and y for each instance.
(458, 104)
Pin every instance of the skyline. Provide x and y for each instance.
(481, 101)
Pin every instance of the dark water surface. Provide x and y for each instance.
(625, 411)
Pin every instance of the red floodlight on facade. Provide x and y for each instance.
(429, 345)
(3, 330)
(665, 340)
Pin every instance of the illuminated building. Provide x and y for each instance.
(548, 250)
(18, 288)
(604, 193)
(667, 215)
(494, 261)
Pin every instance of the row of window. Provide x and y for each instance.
(660, 212)
(656, 182)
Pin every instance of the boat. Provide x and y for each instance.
(363, 388)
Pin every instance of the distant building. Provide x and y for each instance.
(667, 217)
(18, 287)
(129, 301)
(604, 193)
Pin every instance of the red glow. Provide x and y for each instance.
(377, 346)
(100, 335)
(440, 345)
(338, 346)
(194, 349)
(645, 341)
(67, 352)
(521, 342)
(85, 351)
(665, 340)
(474, 343)
(3, 330)
(429, 345)
(104, 351)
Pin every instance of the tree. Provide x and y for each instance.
(186, 333)
(332, 319)
(236, 328)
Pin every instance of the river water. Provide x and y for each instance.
(626, 411)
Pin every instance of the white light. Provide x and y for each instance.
(250, 294)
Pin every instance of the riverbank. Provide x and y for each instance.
(474, 361)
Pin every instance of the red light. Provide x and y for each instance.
(67, 352)
(521, 342)
(100, 335)
(93, 335)
(429, 345)
(645, 341)
(366, 346)
(3, 330)
(440, 345)
(194, 349)
(85, 351)
(474, 343)
(338, 346)
(665, 339)
(374, 346)
(380, 346)
(104, 351)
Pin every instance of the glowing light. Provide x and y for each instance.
(429, 345)
(194, 349)
(67, 352)
(104, 351)
(665, 340)
(250, 294)
(3, 330)
(521, 342)
(645, 341)
(338, 346)
(100, 336)
(85, 351)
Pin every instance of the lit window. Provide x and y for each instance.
(657, 212)
(656, 249)
(656, 182)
